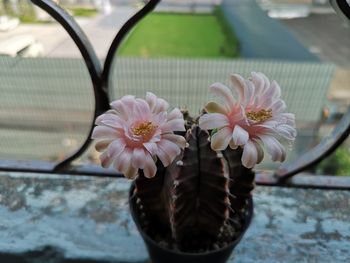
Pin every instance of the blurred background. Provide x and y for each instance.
(46, 102)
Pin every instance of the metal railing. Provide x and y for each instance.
(100, 79)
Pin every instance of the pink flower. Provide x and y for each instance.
(255, 121)
(135, 132)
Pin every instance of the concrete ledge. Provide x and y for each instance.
(61, 218)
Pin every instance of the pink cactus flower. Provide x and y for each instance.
(135, 132)
(256, 120)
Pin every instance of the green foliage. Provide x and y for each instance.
(83, 11)
(231, 45)
(25, 11)
(180, 35)
(5, 7)
(27, 14)
(336, 164)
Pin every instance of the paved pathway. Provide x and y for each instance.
(47, 34)
(260, 36)
(326, 35)
(187, 6)
(101, 31)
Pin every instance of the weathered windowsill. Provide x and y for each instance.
(60, 218)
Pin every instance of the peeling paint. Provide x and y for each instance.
(83, 218)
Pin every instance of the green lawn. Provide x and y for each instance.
(180, 35)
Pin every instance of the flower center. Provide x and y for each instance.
(143, 129)
(260, 115)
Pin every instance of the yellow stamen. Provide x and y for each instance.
(260, 115)
(143, 129)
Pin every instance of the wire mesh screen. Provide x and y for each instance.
(46, 107)
(184, 83)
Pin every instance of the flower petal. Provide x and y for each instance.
(167, 151)
(120, 108)
(259, 150)
(151, 147)
(276, 88)
(238, 114)
(106, 161)
(160, 118)
(238, 83)
(111, 120)
(175, 114)
(163, 157)
(213, 121)
(161, 105)
(274, 148)
(221, 139)
(104, 132)
(269, 92)
(239, 135)
(150, 167)
(100, 146)
(223, 92)
(131, 172)
(266, 102)
(151, 100)
(123, 161)
(289, 118)
(124, 106)
(232, 145)
(258, 83)
(116, 147)
(177, 139)
(286, 131)
(249, 92)
(278, 106)
(141, 110)
(157, 136)
(213, 107)
(250, 155)
(139, 158)
(173, 125)
(266, 80)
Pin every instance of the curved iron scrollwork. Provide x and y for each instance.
(91, 61)
(318, 153)
(329, 144)
(100, 76)
(342, 7)
(120, 36)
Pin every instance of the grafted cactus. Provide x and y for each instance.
(198, 198)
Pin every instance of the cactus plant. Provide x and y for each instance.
(193, 178)
(199, 199)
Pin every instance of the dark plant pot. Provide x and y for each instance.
(160, 254)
